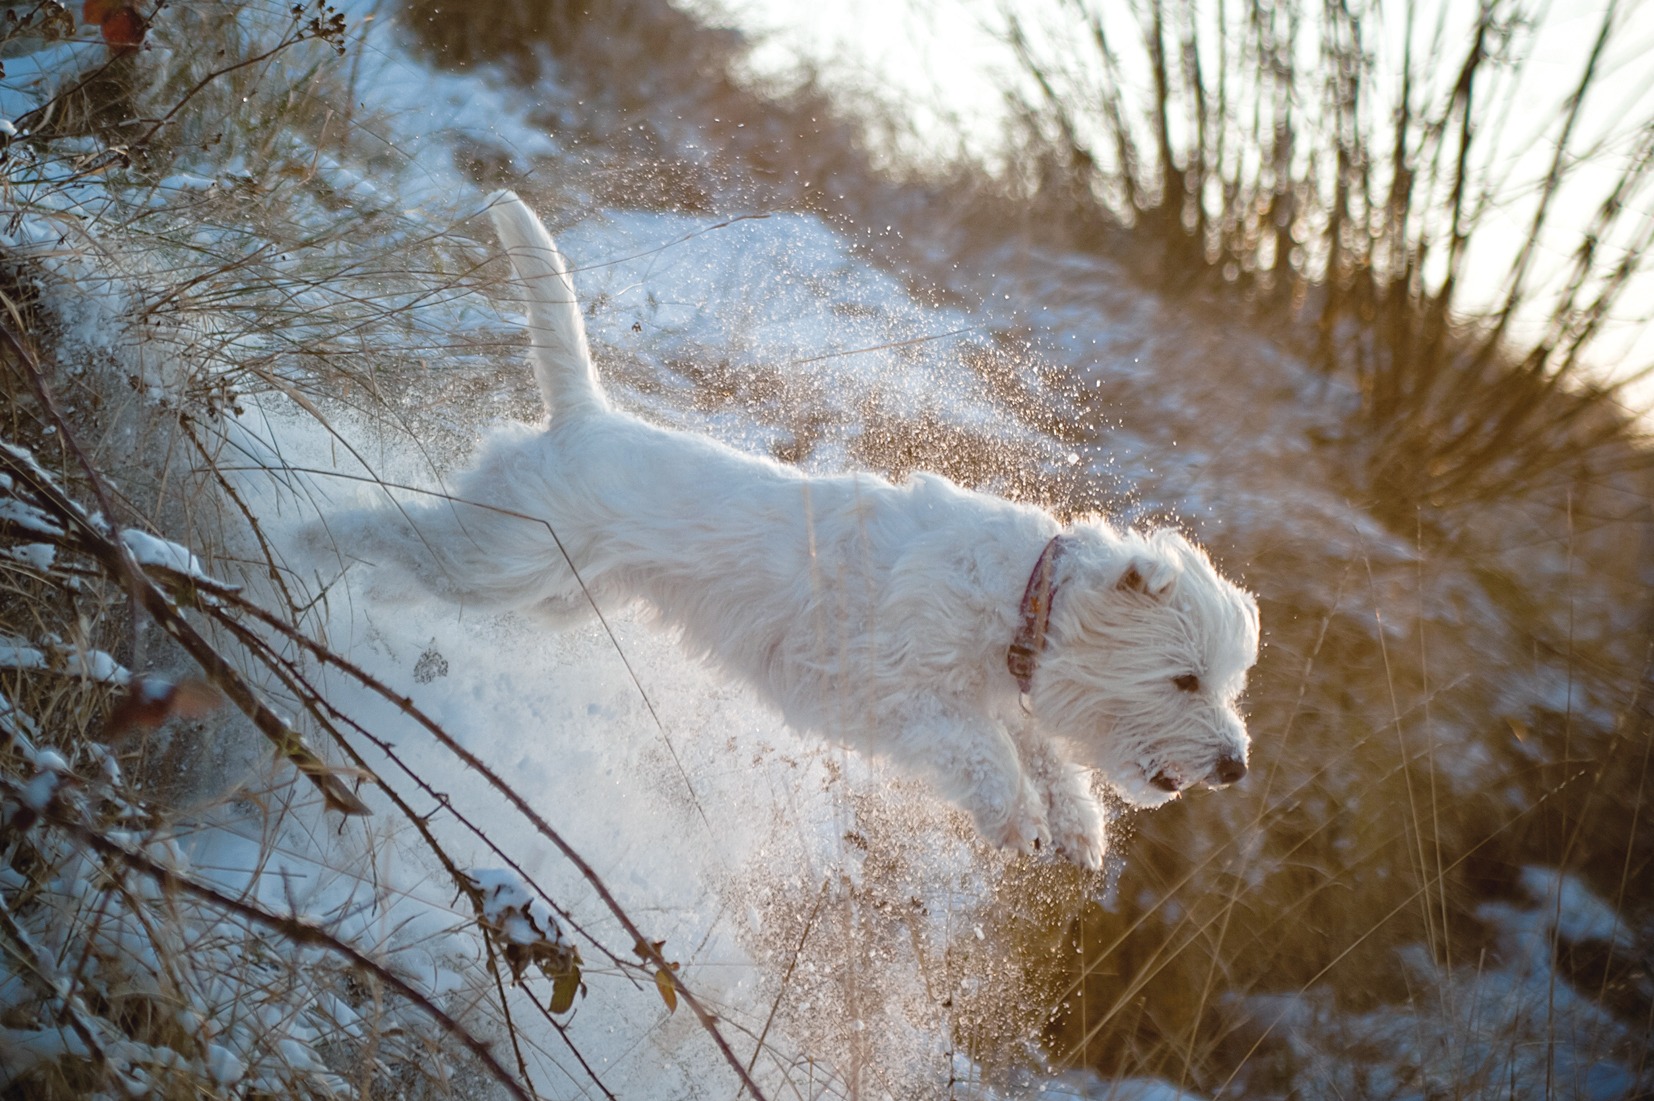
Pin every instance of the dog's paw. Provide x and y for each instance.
(1077, 823)
(1026, 833)
(1024, 830)
(1078, 832)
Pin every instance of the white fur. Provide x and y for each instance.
(874, 614)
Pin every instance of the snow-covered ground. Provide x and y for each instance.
(847, 929)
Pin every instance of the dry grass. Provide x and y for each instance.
(1349, 166)
(1442, 711)
(1342, 922)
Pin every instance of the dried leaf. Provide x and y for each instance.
(526, 937)
(563, 989)
(122, 26)
(665, 982)
(329, 781)
(151, 701)
(668, 987)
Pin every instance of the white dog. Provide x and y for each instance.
(965, 636)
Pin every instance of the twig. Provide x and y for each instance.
(116, 560)
(291, 928)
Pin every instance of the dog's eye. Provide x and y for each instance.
(1188, 682)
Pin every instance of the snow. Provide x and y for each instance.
(36, 556)
(186, 181)
(31, 78)
(95, 665)
(37, 793)
(23, 515)
(17, 725)
(21, 1050)
(797, 328)
(1508, 1019)
(1579, 914)
(15, 655)
(90, 664)
(14, 991)
(151, 550)
(510, 907)
(92, 303)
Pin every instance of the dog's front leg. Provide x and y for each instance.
(1075, 818)
(975, 762)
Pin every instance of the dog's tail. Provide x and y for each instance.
(557, 334)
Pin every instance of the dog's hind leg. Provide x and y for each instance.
(563, 611)
(471, 555)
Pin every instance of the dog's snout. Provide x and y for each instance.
(1164, 782)
(1230, 769)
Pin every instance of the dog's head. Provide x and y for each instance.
(1147, 651)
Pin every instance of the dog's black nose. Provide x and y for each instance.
(1230, 769)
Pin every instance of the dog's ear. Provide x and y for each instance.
(1149, 577)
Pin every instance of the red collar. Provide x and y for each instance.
(1037, 598)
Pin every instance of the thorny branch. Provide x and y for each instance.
(60, 814)
(161, 592)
